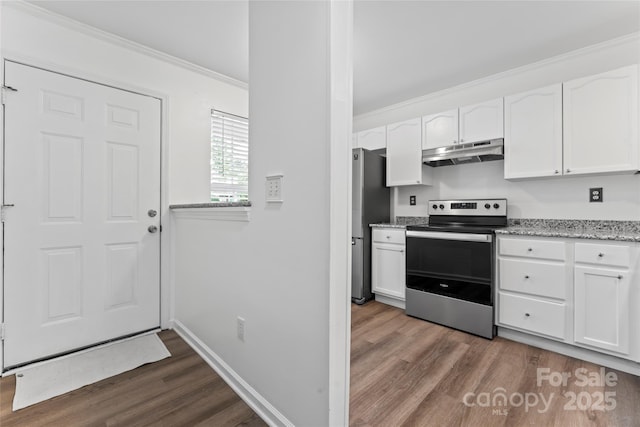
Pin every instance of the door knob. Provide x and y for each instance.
(152, 212)
(152, 229)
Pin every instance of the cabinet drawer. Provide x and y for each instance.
(533, 315)
(533, 248)
(387, 235)
(602, 254)
(537, 278)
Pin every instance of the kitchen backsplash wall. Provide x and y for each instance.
(561, 197)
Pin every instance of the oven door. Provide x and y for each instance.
(457, 265)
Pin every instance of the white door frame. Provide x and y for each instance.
(166, 267)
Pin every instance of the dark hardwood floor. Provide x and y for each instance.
(408, 372)
(178, 391)
(404, 372)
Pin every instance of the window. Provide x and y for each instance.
(229, 157)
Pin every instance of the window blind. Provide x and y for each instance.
(229, 157)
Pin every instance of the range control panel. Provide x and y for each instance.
(475, 207)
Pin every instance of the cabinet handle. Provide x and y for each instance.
(568, 170)
(527, 315)
(401, 251)
(620, 277)
(600, 255)
(529, 249)
(388, 237)
(461, 140)
(557, 171)
(526, 277)
(455, 142)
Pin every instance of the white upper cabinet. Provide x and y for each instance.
(372, 139)
(404, 154)
(473, 123)
(481, 122)
(533, 133)
(601, 122)
(439, 130)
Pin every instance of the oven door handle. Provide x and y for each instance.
(465, 237)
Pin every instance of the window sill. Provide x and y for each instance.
(236, 211)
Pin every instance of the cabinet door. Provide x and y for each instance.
(439, 130)
(373, 139)
(404, 153)
(601, 122)
(482, 122)
(533, 133)
(388, 270)
(602, 308)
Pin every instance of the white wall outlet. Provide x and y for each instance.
(240, 328)
(274, 188)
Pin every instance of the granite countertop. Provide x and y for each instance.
(212, 205)
(388, 225)
(402, 222)
(627, 231)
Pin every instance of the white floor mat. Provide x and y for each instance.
(52, 378)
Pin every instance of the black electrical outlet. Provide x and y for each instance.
(412, 200)
(595, 194)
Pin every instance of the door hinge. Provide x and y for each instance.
(2, 331)
(3, 210)
(6, 88)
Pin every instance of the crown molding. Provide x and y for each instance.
(96, 33)
(608, 44)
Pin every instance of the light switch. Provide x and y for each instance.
(274, 188)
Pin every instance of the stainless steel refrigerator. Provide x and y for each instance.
(371, 204)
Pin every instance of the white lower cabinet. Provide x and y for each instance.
(582, 292)
(532, 314)
(533, 278)
(388, 263)
(607, 297)
(602, 303)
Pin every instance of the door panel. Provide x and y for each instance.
(440, 130)
(82, 166)
(602, 308)
(600, 122)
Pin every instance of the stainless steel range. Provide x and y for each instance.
(450, 264)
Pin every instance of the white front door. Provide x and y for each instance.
(82, 171)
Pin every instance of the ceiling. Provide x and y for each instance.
(402, 49)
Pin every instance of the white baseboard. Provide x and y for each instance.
(395, 302)
(255, 400)
(601, 359)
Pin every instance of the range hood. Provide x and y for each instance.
(459, 154)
